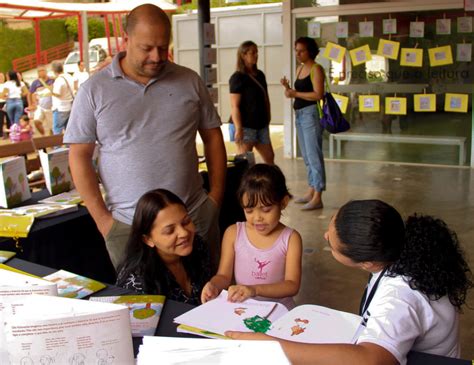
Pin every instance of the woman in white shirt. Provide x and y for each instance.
(419, 281)
(13, 90)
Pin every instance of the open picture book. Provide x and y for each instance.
(144, 310)
(306, 323)
(71, 285)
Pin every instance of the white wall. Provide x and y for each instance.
(261, 24)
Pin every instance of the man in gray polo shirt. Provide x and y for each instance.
(144, 112)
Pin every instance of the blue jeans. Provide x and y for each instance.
(310, 140)
(14, 109)
(60, 120)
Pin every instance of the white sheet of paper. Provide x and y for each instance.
(417, 29)
(314, 29)
(66, 331)
(196, 351)
(231, 315)
(464, 52)
(315, 324)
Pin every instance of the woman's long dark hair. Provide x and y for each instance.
(13, 76)
(241, 51)
(142, 258)
(424, 249)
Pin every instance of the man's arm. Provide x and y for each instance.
(85, 180)
(216, 160)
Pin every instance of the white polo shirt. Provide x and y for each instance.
(63, 86)
(402, 319)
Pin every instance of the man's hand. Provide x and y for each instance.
(104, 224)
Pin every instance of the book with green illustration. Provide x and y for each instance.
(71, 285)
(68, 197)
(46, 210)
(56, 170)
(145, 311)
(14, 187)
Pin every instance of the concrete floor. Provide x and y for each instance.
(444, 192)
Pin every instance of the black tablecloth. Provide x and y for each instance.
(70, 241)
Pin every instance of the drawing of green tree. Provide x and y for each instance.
(9, 186)
(21, 180)
(55, 174)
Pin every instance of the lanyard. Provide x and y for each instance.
(366, 304)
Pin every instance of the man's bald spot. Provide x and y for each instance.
(149, 14)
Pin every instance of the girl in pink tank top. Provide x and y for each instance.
(261, 254)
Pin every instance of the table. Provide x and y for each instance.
(70, 241)
(172, 309)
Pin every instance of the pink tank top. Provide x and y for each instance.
(254, 266)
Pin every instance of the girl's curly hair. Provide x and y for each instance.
(423, 249)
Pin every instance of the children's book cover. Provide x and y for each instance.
(315, 324)
(69, 197)
(56, 170)
(14, 188)
(45, 210)
(13, 224)
(145, 311)
(71, 285)
(6, 255)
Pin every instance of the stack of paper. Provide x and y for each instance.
(145, 311)
(45, 210)
(196, 351)
(15, 282)
(202, 320)
(53, 330)
(71, 285)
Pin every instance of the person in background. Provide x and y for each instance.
(164, 254)
(13, 91)
(250, 105)
(21, 131)
(308, 91)
(262, 254)
(418, 283)
(4, 120)
(80, 76)
(41, 101)
(63, 96)
(145, 114)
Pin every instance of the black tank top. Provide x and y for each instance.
(303, 85)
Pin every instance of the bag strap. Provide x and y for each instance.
(265, 94)
(68, 86)
(311, 75)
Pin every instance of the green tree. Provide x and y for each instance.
(95, 26)
(55, 174)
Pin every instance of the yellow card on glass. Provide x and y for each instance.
(334, 52)
(388, 49)
(369, 103)
(396, 106)
(360, 55)
(342, 101)
(424, 102)
(412, 57)
(440, 56)
(456, 103)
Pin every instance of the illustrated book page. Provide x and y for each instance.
(145, 311)
(71, 285)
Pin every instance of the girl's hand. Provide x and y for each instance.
(209, 292)
(284, 81)
(239, 293)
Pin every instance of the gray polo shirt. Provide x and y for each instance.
(146, 133)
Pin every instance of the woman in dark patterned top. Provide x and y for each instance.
(164, 256)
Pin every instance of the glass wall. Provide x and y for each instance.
(390, 78)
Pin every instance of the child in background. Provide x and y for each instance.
(21, 131)
(262, 253)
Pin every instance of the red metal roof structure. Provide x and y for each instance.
(36, 11)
